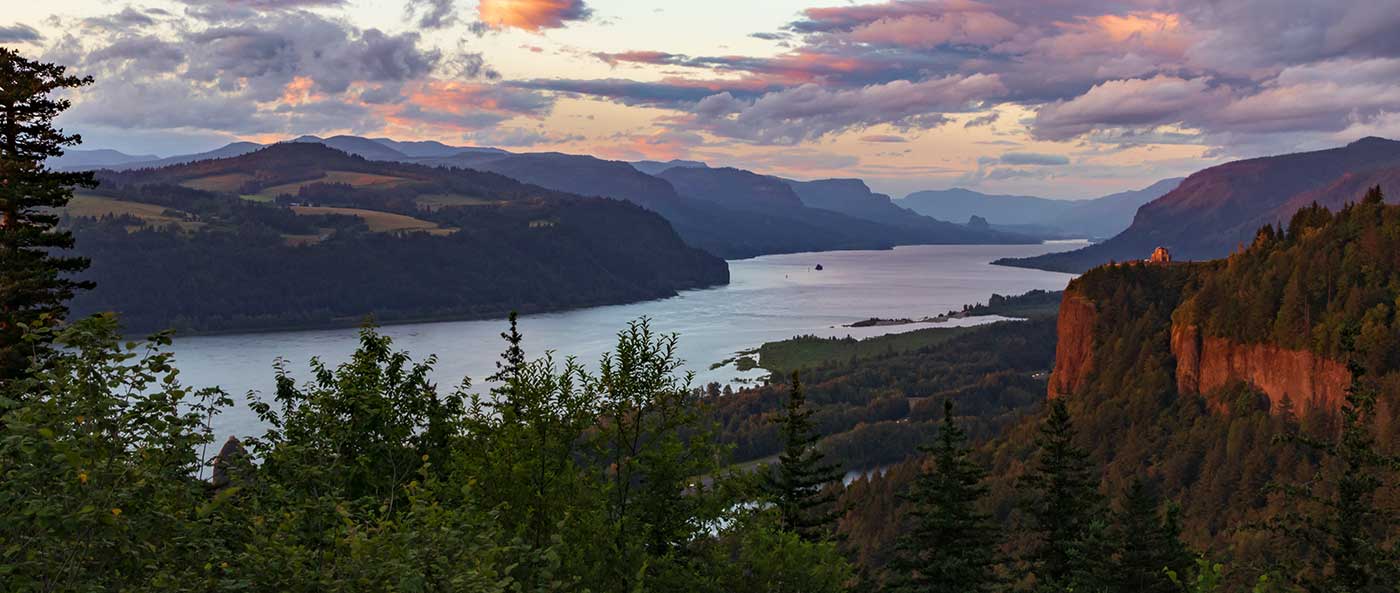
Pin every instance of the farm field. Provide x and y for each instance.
(346, 177)
(379, 222)
(94, 206)
(227, 183)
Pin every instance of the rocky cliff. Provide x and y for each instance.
(1074, 350)
(1205, 364)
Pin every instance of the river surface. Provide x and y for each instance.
(768, 298)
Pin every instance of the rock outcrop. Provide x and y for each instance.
(1206, 363)
(1074, 351)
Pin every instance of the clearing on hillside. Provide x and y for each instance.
(350, 178)
(379, 222)
(226, 183)
(94, 206)
(440, 201)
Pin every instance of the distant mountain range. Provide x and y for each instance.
(299, 234)
(729, 212)
(1218, 209)
(1093, 218)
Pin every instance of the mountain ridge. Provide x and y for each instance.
(1217, 209)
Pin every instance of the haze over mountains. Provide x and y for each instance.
(1216, 210)
(1092, 218)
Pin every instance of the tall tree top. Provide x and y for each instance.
(33, 282)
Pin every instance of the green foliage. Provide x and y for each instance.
(99, 466)
(1148, 539)
(756, 554)
(799, 486)
(804, 352)
(876, 411)
(951, 546)
(1329, 275)
(367, 479)
(1065, 510)
(1338, 519)
(34, 276)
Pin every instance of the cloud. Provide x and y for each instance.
(128, 19)
(516, 137)
(289, 71)
(19, 33)
(983, 120)
(667, 93)
(432, 14)
(662, 146)
(808, 112)
(883, 138)
(531, 15)
(1151, 102)
(1033, 159)
(267, 4)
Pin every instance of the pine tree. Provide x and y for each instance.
(798, 488)
(1065, 510)
(1149, 540)
(33, 285)
(1340, 520)
(1374, 195)
(952, 545)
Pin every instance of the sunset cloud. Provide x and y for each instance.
(1102, 87)
(531, 15)
(809, 111)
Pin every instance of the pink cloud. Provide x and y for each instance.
(958, 28)
(531, 15)
(1149, 102)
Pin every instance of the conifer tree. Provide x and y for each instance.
(1065, 509)
(1339, 518)
(952, 544)
(798, 487)
(33, 282)
(1149, 541)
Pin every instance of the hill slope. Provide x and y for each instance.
(1215, 210)
(352, 237)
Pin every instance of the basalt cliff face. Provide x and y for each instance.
(1074, 349)
(1205, 364)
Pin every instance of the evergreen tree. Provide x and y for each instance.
(1340, 520)
(1149, 540)
(1065, 510)
(33, 285)
(952, 545)
(798, 488)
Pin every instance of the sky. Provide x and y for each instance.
(1058, 98)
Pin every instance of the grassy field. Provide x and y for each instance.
(439, 201)
(379, 222)
(228, 183)
(89, 205)
(346, 177)
(808, 351)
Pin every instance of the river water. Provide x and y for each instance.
(768, 298)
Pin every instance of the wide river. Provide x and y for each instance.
(768, 298)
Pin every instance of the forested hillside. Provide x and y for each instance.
(1216, 210)
(301, 235)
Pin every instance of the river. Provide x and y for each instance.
(768, 298)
